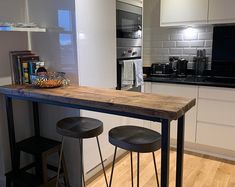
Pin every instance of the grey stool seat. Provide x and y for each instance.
(80, 128)
(135, 139)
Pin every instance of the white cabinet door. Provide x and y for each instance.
(183, 12)
(190, 117)
(91, 154)
(216, 119)
(221, 11)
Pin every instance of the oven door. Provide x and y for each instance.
(120, 85)
(129, 21)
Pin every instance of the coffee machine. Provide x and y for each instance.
(182, 67)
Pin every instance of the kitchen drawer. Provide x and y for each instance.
(216, 135)
(226, 94)
(190, 117)
(215, 111)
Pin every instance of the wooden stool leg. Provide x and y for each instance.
(8, 182)
(44, 169)
(59, 164)
(82, 164)
(66, 178)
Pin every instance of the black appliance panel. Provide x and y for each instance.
(129, 21)
(223, 44)
(223, 51)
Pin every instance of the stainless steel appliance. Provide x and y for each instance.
(160, 69)
(125, 54)
(201, 62)
(129, 39)
(129, 24)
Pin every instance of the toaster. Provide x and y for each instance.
(161, 69)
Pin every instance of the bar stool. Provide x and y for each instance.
(41, 148)
(80, 128)
(135, 139)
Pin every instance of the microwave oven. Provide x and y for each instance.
(129, 21)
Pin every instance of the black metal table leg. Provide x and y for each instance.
(11, 132)
(180, 152)
(165, 153)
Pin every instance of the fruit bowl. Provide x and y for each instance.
(50, 80)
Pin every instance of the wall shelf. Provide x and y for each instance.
(22, 29)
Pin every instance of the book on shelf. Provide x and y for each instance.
(23, 64)
(15, 71)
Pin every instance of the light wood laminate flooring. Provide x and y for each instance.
(199, 171)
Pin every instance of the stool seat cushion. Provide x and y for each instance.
(79, 127)
(135, 139)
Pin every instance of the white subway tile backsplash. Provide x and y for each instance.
(176, 51)
(205, 36)
(190, 36)
(169, 44)
(164, 42)
(158, 44)
(190, 51)
(183, 44)
(209, 29)
(176, 37)
(197, 43)
(162, 51)
(208, 43)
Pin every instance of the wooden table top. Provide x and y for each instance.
(144, 104)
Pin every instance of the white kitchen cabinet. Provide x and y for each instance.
(216, 119)
(221, 11)
(190, 117)
(183, 12)
(96, 50)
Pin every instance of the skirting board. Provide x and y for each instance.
(207, 150)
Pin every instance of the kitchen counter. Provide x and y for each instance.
(133, 103)
(193, 80)
(154, 107)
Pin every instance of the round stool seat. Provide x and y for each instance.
(79, 127)
(136, 139)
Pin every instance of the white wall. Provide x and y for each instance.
(160, 43)
(10, 11)
(96, 40)
(96, 31)
(12, 41)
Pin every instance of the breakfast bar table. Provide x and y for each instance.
(152, 107)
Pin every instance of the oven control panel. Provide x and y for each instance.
(128, 52)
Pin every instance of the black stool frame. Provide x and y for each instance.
(138, 168)
(82, 161)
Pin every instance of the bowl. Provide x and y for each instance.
(44, 82)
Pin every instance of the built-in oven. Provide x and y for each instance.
(129, 24)
(128, 55)
(129, 46)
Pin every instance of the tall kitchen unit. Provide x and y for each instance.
(80, 39)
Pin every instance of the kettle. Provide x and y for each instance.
(181, 67)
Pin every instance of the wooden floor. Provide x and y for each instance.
(199, 171)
